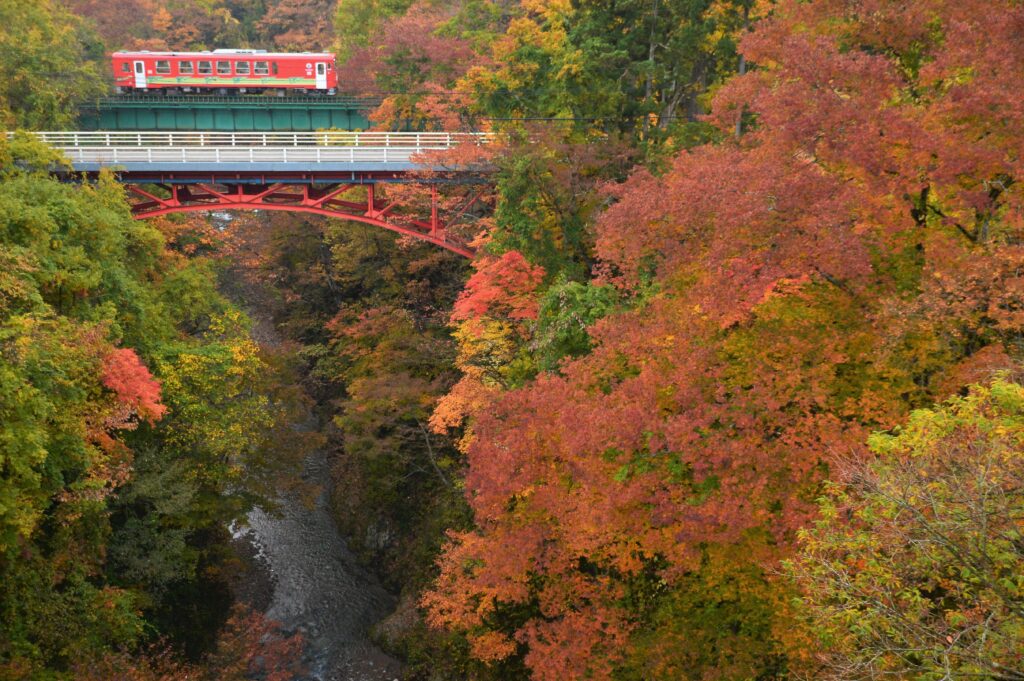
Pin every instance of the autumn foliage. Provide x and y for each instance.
(847, 253)
(732, 255)
(130, 380)
(112, 534)
(913, 566)
(501, 287)
(250, 646)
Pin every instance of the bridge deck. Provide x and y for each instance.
(179, 172)
(256, 153)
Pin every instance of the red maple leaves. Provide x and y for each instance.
(133, 384)
(501, 287)
(830, 270)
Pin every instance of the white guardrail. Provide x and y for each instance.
(252, 147)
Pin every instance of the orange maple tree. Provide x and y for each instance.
(848, 256)
(130, 380)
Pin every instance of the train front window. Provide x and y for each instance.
(261, 68)
(163, 67)
(223, 68)
(126, 67)
(242, 68)
(205, 68)
(185, 68)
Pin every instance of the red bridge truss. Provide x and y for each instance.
(175, 172)
(176, 197)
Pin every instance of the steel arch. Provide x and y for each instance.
(198, 197)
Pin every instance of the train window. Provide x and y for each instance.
(242, 68)
(126, 68)
(163, 66)
(185, 68)
(205, 68)
(273, 67)
(260, 68)
(321, 69)
(223, 68)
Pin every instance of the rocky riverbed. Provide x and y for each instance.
(302, 574)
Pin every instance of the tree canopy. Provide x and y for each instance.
(729, 391)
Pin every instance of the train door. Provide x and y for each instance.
(140, 75)
(321, 75)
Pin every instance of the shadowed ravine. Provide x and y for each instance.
(318, 589)
(316, 586)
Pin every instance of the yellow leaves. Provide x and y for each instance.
(215, 391)
(161, 20)
(245, 357)
(543, 29)
(526, 32)
(232, 323)
(491, 646)
(550, 10)
(22, 515)
(572, 65)
(465, 399)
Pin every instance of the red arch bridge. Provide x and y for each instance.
(311, 172)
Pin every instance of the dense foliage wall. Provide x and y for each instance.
(137, 417)
(727, 241)
(289, 25)
(660, 375)
(47, 65)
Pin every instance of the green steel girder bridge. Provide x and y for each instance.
(307, 172)
(241, 113)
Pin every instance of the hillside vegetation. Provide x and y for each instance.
(731, 389)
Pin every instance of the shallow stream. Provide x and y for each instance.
(303, 575)
(317, 587)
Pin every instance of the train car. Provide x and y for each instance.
(225, 72)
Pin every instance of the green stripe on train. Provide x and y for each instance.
(158, 80)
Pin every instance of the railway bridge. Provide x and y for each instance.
(238, 113)
(310, 172)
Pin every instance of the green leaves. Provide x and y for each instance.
(914, 566)
(98, 360)
(567, 309)
(44, 70)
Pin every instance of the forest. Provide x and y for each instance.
(731, 389)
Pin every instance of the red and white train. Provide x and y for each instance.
(225, 72)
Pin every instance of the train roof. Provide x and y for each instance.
(222, 53)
